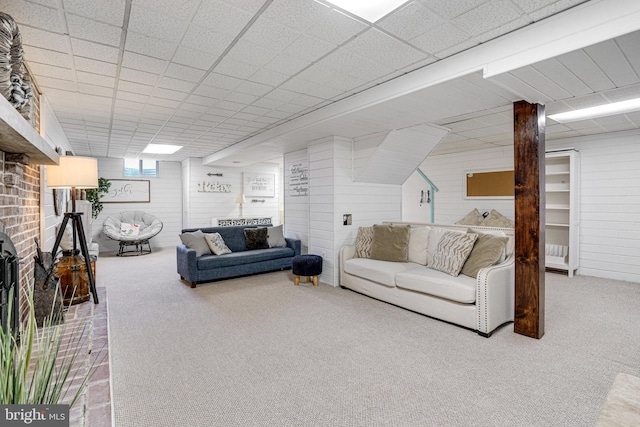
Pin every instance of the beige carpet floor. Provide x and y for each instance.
(258, 351)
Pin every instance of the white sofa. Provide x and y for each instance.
(481, 304)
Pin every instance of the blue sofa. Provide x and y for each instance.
(240, 262)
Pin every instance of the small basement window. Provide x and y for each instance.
(140, 167)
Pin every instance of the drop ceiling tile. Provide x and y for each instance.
(183, 10)
(154, 24)
(94, 50)
(335, 27)
(95, 67)
(613, 63)
(176, 84)
(232, 106)
(368, 70)
(194, 58)
(486, 17)
(207, 39)
(520, 22)
(278, 114)
(202, 100)
(194, 108)
(291, 108)
(252, 88)
(149, 46)
(287, 64)
(46, 70)
(88, 29)
(129, 96)
(44, 39)
(309, 48)
(95, 90)
(221, 16)
(221, 112)
(439, 38)
(451, 9)
(48, 82)
(143, 63)
(307, 101)
(222, 81)
(270, 34)
(50, 57)
(252, 53)
(137, 88)
(138, 76)
(234, 68)
(296, 14)
(268, 77)
(324, 92)
(183, 72)
(109, 11)
(344, 82)
(411, 21)
(282, 95)
(241, 98)
(35, 15)
(383, 49)
(212, 92)
(169, 94)
(297, 84)
(259, 111)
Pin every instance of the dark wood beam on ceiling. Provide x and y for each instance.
(529, 165)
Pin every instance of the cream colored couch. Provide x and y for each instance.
(481, 304)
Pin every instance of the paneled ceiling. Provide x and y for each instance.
(229, 80)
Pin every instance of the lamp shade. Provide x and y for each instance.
(73, 171)
(240, 199)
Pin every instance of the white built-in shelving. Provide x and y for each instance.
(562, 219)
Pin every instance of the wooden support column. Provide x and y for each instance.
(529, 170)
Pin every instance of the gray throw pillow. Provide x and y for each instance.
(390, 242)
(487, 251)
(256, 238)
(195, 240)
(472, 218)
(275, 237)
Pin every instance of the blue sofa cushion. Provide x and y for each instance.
(208, 262)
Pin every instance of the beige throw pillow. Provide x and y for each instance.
(487, 251)
(275, 237)
(216, 243)
(390, 242)
(363, 242)
(453, 250)
(496, 219)
(472, 218)
(418, 241)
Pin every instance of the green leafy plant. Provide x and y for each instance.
(95, 194)
(40, 367)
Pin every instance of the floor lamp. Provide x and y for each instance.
(75, 172)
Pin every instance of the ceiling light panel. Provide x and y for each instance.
(370, 10)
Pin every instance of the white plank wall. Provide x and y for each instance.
(333, 194)
(609, 203)
(201, 207)
(166, 198)
(447, 172)
(296, 224)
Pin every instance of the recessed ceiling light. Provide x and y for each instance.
(161, 149)
(371, 10)
(597, 111)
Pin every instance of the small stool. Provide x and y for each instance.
(306, 265)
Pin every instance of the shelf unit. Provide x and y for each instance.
(562, 213)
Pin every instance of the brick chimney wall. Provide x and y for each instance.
(20, 211)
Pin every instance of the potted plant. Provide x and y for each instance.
(95, 194)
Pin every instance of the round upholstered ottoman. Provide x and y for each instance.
(307, 265)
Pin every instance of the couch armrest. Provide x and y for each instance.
(187, 263)
(346, 252)
(294, 244)
(495, 290)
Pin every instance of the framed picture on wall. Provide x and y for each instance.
(128, 191)
(259, 185)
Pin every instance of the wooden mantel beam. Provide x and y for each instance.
(529, 171)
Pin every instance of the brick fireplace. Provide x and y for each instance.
(20, 211)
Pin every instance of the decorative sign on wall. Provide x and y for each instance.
(298, 180)
(259, 185)
(128, 191)
(213, 187)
